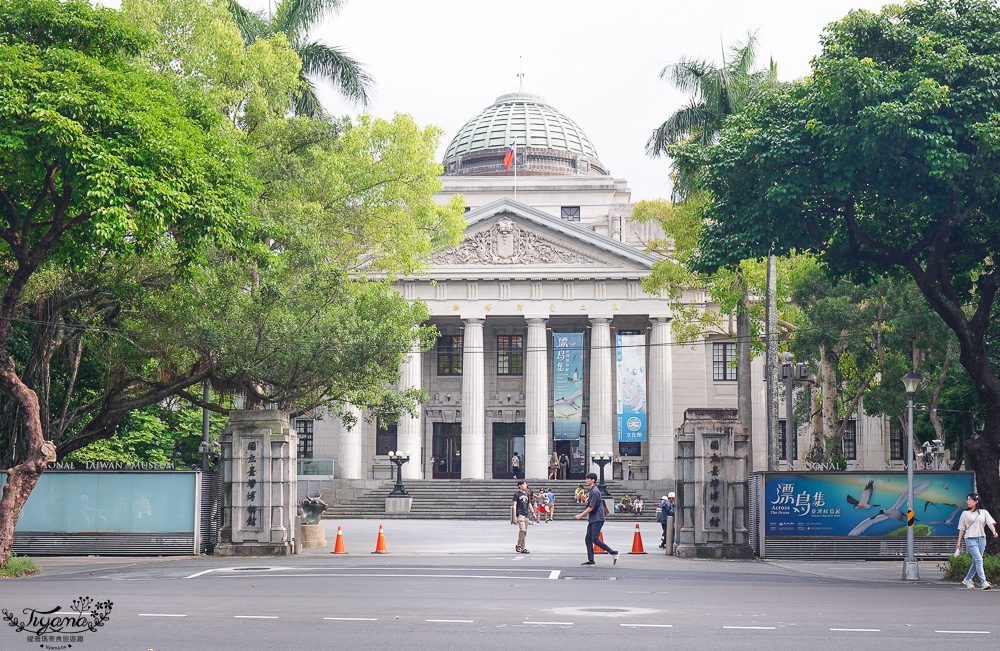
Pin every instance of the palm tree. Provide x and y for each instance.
(294, 19)
(716, 92)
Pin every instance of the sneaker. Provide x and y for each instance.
(967, 583)
(987, 585)
(588, 563)
(614, 557)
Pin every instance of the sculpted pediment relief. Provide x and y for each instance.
(507, 243)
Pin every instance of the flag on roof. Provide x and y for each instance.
(508, 159)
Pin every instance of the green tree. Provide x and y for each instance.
(715, 92)
(98, 157)
(294, 19)
(884, 161)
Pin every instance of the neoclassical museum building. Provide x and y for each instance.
(547, 341)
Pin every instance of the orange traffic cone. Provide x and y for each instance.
(338, 548)
(598, 550)
(637, 542)
(380, 543)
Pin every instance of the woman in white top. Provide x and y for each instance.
(972, 525)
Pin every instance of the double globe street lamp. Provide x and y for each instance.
(399, 458)
(602, 459)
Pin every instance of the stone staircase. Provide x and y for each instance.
(470, 499)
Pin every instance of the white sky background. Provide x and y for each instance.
(444, 61)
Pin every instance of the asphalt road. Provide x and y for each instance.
(498, 600)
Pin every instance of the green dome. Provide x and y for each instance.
(548, 143)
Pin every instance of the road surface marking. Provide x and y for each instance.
(647, 625)
(195, 576)
(859, 630)
(554, 574)
(353, 619)
(450, 621)
(550, 623)
(966, 632)
(160, 615)
(756, 628)
(255, 617)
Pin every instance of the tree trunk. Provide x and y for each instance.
(21, 479)
(744, 357)
(984, 457)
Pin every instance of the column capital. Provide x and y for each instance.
(660, 320)
(536, 322)
(473, 322)
(598, 320)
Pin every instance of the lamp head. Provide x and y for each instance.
(911, 380)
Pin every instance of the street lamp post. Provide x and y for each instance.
(399, 458)
(602, 459)
(910, 570)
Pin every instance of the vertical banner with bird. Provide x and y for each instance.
(567, 384)
(631, 356)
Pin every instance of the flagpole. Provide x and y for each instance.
(515, 169)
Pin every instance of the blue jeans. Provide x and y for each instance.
(593, 538)
(976, 547)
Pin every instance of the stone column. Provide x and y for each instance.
(409, 437)
(661, 402)
(601, 431)
(350, 445)
(258, 485)
(473, 401)
(536, 401)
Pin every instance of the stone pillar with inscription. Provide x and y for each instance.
(258, 485)
(712, 519)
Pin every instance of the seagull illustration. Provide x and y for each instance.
(951, 518)
(575, 377)
(945, 486)
(866, 496)
(930, 503)
(893, 514)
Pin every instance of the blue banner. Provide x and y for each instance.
(631, 357)
(567, 384)
(863, 504)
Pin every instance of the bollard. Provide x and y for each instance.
(670, 535)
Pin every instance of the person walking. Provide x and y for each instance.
(563, 465)
(972, 525)
(595, 520)
(667, 507)
(550, 501)
(523, 509)
(554, 466)
(515, 465)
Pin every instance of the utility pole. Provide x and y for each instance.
(744, 353)
(771, 365)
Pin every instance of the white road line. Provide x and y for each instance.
(966, 632)
(554, 574)
(647, 625)
(160, 615)
(255, 617)
(756, 628)
(353, 619)
(450, 621)
(195, 576)
(388, 575)
(550, 623)
(858, 630)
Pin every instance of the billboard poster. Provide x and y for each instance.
(863, 504)
(567, 385)
(631, 360)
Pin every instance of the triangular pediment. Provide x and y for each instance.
(512, 235)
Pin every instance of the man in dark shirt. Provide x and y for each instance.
(523, 510)
(595, 520)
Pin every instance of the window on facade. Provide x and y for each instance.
(304, 429)
(449, 351)
(510, 354)
(724, 361)
(385, 437)
(895, 441)
(630, 449)
(571, 213)
(850, 440)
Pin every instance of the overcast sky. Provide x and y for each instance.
(598, 62)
